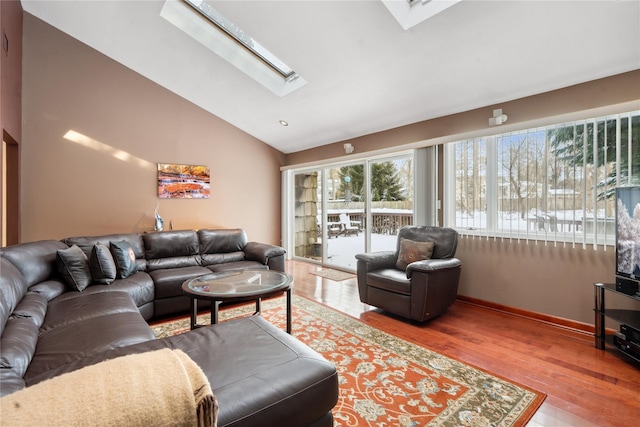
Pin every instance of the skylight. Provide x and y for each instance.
(205, 24)
(412, 12)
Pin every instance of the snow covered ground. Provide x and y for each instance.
(341, 250)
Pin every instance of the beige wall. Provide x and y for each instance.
(11, 68)
(109, 186)
(551, 279)
(557, 106)
(10, 119)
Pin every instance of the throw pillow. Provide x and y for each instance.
(102, 266)
(73, 265)
(124, 258)
(411, 251)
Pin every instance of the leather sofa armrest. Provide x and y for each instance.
(377, 260)
(262, 252)
(431, 265)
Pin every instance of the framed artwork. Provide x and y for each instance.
(183, 181)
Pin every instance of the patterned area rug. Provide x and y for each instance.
(387, 381)
(335, 275)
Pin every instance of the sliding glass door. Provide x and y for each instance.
(391, 200)
(338, 211)
(344, 214)
(307, 215)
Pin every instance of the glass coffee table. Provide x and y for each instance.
(237, 286)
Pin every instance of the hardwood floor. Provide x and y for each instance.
(584, 386)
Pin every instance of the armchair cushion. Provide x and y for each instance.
(432, 265)
(377, 260)
(411, 251)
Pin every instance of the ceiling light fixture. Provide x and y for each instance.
(283, 122)
(498, 118)
(226, 39)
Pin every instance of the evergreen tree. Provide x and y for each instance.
(385, 183)
(574, 145)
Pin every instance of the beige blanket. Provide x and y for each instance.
(159, 388)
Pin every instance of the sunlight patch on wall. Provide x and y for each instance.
(88, 142)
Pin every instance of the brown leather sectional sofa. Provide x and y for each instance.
(260, 375)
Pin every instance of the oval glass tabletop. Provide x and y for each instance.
(245, 283)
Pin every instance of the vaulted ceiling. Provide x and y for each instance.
(364, 72)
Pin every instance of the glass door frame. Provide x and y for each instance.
(289, 201)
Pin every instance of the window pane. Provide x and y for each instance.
(471, 168)
(553, 183)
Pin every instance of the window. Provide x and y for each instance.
(553, 183)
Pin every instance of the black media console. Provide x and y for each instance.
(627, 339)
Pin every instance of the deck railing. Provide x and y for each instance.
(383, 221)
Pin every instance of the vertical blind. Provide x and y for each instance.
(551, 184)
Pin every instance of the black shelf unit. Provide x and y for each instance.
(630, 317)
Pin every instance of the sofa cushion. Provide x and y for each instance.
(73, 265)
(19, 340)
(411, 251)
(263, 252)
(171, 249)
(168, 282)
(168, 244)
(238, 265)
(124, 257)
(50, 289)
(18, 344)
(222, 258)
(11, 382)
(67, 343)
(36, 261)
(86, 243)
(13, 286)
(222, 241)
(73, 308)
(79, 324)
(102, 265)
(139, 286)
(33, 306)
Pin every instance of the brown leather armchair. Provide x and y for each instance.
(425, 289)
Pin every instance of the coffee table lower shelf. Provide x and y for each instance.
(215, 306)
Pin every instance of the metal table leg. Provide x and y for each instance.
(599, 313)
(289, 311)
(193, 315)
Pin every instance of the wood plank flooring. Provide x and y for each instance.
(584, 386)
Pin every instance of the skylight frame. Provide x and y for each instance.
(235, 32)
(232, 45)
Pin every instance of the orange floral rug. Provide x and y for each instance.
(387, 381)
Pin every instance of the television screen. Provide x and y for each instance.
(628, 232)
